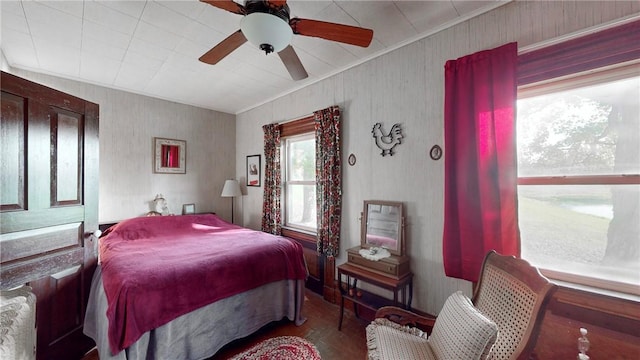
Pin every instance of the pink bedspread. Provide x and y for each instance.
(156, 268)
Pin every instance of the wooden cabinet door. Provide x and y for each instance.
(49, 207)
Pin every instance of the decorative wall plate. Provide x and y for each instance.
(435, 152)
(351, 160)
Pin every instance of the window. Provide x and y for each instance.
(298, 151)
(299, 181)
(578, 145)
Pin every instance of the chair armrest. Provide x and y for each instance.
(406, 318)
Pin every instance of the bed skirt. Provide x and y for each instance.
(201, 333)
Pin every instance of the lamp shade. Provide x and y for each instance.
(231, 189)
(267, 32)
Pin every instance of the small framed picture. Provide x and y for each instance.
(188, 209)
(253, 170)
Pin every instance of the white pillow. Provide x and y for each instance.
(461, 331)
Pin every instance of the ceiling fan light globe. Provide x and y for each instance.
(261, 28)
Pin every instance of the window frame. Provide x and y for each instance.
(286, 182)
(578, 80)
(607, 51)
(300, 127)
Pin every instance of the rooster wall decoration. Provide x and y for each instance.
(386, 143)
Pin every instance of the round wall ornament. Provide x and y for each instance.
(351, 160)
(435, 152)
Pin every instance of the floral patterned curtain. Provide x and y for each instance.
(271, 214)
(328, 180)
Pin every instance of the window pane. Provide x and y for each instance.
(301, 160)
(299, 183)
(301, 206)
(593, 130)
(586, 230)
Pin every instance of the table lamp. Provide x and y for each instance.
(231, 189)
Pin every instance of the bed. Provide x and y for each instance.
(182, 287)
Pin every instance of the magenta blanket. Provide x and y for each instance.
(157, 268)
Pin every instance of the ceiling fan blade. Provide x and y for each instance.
(224, 48)
(293, 64)
(228, 5)
(336, 32)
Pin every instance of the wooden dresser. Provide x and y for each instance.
(393, 266)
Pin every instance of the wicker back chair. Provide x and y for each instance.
(511, 294)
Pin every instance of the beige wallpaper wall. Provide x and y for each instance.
(4, 65)
(128, 123)
(406, 86)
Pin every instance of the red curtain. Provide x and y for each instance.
(480, 160)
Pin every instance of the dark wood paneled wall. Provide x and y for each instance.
(613, 326)
(315, 262)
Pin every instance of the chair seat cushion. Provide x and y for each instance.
(461, 331)
(387, 340)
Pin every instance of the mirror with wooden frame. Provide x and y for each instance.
(383, 226)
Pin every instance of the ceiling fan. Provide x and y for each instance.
(267, 25)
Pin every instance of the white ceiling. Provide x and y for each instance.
(152, 47)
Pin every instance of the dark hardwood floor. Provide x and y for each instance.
(321, 328)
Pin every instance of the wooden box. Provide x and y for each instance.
(393, 266)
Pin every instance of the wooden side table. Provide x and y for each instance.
(402, 289)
